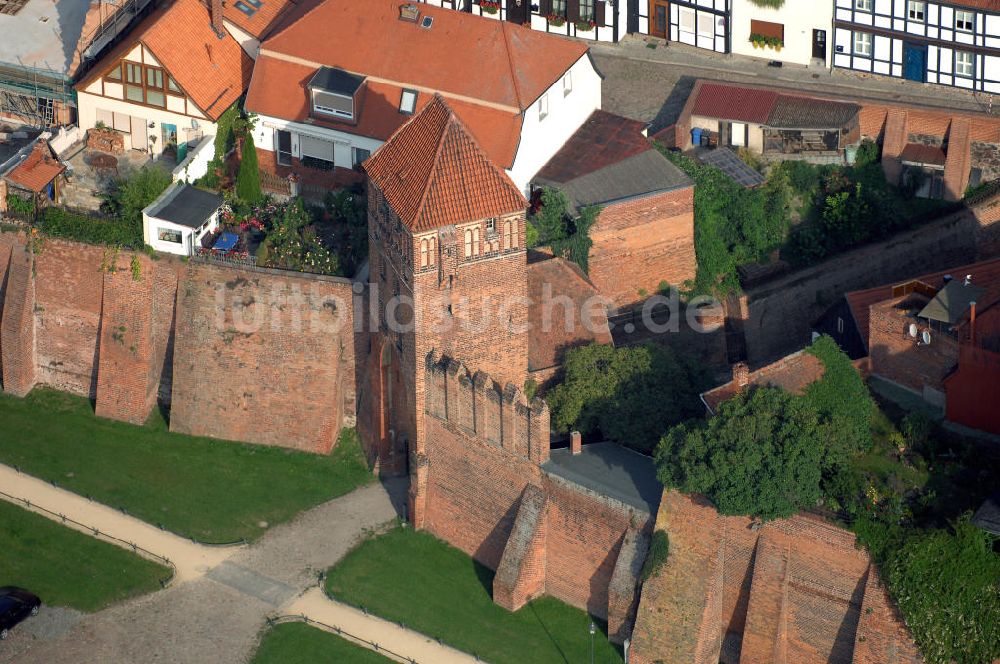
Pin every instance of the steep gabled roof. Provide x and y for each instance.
(433, 173)
(213, 72)
(461, 56)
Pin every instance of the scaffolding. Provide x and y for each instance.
(30, 93)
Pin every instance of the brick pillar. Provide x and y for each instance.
(3, 195)
(215, 11)
(741, 375)
(17, 327)
(416, 501)
(520, 575)
(510, 424)
(575, 442)
(538, 432)
(893, 143)
(956, 165)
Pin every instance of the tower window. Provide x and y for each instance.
(491, 225)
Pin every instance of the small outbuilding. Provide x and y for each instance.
(180, 218)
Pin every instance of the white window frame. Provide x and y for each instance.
(326, 110)
(567, 83)
(863, 5)
(161, 232)
(543, 107)
(965, 18)
(963, 68)
(684, 13)
(916, 10)
(408, 101)
(703, 18)
(864, 41)
(354, 156)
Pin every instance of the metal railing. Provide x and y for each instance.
(208, 256)
(371, 645)
(96, 532)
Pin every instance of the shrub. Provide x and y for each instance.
(867, 154)
(128, 196)
(22, 207)
(225, 136)
(115, 232)
(630, 394)
(760, 456)
(659, 551)
(248, 179)
(553, 226)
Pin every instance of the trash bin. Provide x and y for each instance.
(696, 136)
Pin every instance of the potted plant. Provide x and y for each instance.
(556, 20)
(585, 26)
(490, 6)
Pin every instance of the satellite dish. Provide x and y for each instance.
(926, 338)
(913, 330)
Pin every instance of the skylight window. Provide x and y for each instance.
(249, 7)
(408, 102)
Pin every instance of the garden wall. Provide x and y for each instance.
(780, 313)
(126, 331)
(480, 474)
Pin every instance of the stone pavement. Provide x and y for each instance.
(652, 84)
(217, 608)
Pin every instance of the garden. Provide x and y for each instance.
(211, 490)
(68, 568)
(412, 578)
(802, 214)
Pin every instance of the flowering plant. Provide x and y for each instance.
(490, 6)
(586, 26)
(556, 20)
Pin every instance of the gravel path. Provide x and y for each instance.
(218, 616)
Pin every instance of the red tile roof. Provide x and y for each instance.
(213, 72)
(285, 96)
(792, 373)
(461, 56)
(37, 170)
(918, 153)
(984, 273)
(732, 102)
(550, 339)
(433, 173)
(602, 140)
(268, 16)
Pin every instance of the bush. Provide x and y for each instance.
(248, 179)
(760, 456)
(659, 551)
(553, 226)
(225, 136)
(114, 232)
(630, 395)
(867, 154)
(130, 195)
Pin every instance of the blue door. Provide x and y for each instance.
(915, 63)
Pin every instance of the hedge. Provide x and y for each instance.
(110, 231)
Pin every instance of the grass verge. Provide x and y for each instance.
(68, 568)
(211, 490)
(417, 580)
(298, 643)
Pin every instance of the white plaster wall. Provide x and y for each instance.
(343, 142)
(247, 42)
(799, 18)
(195, 165)
(87, 105)
(541, 139)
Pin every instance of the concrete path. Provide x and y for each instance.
(190, 560)
(315, 605)
(217, 609)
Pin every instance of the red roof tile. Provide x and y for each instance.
(602, 140)
(550, 339)
(792, 373)
(433, 173)
(732, 102)
(984, 273)
(918, 153)
(37, 170)
(213, 72)
(285, 96)
(268, 15)
(460, 55)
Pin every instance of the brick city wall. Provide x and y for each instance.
(484, 492)
(780, 312)
(639, 244)
(79, 320)
(262, 357)
(790, 590)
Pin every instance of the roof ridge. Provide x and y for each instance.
(510, 64)
(436, 161)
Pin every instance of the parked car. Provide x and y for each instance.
(16, 604)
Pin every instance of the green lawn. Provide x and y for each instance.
(298, 643)
(68, 568)
(417, 580)
(212, 490)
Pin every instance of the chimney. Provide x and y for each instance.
(741, 375)
(215, 14)
(972, 322)
(575, 442)
(409, 13)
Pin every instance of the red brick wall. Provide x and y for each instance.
(900, 358)
(641, 243)
(973, 391)
(334, 179)
(17, 332)
(261, 357)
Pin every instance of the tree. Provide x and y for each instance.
(130, 195)
(630, 395)
(248, 178)
(553, 226)
(760, 456)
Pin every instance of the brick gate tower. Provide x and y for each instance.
(447, 272)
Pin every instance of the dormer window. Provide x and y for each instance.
(334, 93)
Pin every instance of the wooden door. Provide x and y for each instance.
(659, 18)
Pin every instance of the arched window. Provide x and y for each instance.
(514, 239)
(423, 253)
(468, 243)
(475, 242)
(431, 251)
